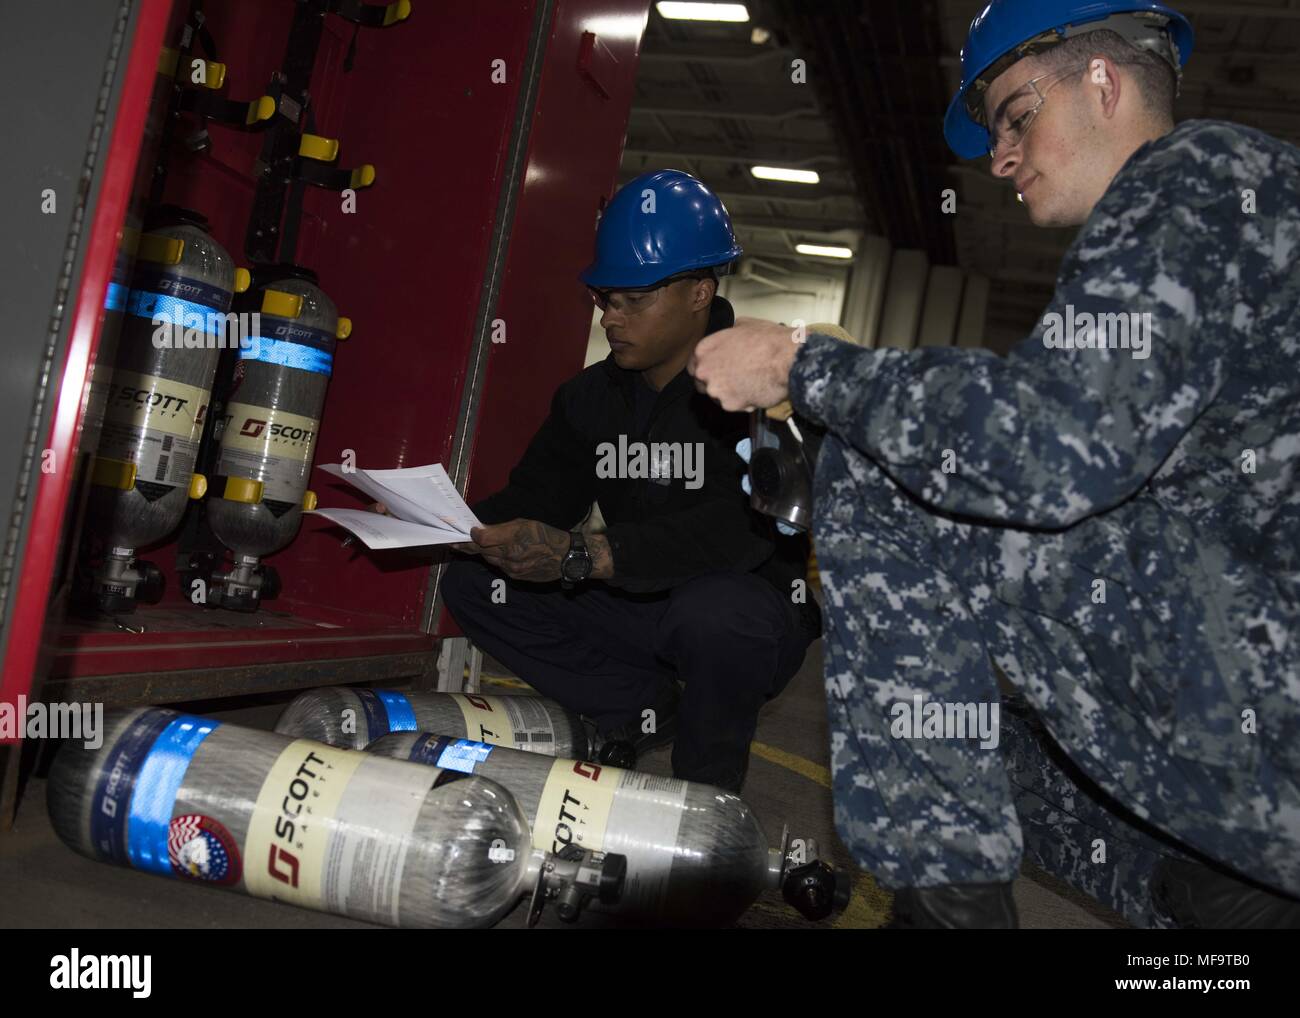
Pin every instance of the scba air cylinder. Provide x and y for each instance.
(155, 397)
(356, 717)
(268, 433)
(306, 824)
(695, 854)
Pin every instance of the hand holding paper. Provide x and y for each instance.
(425, 507)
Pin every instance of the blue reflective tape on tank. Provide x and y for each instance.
(401, 716)
(193, 291)
(186, 314)
(115, 299)
(110, 807)
(464, 755)
(376, 713)
(290, 355)
(427, 749)
(156, 785)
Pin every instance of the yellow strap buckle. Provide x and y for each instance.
(395, 12)
(281, 304)
(313, 146)
(198, 485)
(118, 474)
(309, 500)
(242, 489)
(344, 329)
(260, 109)
(154, 247)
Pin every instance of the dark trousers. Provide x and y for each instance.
(731, 638)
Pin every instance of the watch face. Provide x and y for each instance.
(575, 566)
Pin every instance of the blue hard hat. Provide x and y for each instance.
(1004, 26)
(688, 229)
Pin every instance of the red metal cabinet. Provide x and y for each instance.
(483, 211)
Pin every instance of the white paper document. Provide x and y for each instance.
(426, 507)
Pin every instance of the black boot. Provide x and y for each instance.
(623, 745)
(955, 907)
(1197, 897)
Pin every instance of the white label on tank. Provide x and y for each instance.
(154, 423)
(516, 722)
(331, 828)
(575, 804)
(531, 724)
(647, 816)
(268, 445)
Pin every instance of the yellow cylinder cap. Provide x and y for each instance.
(344, 329)
(108, 473)
(395, 12)
(198, 485)
(281, 304)
(242, 489)
(309, 500)
(242, 280)
(363, 175)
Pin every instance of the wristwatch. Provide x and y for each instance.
(576, 566)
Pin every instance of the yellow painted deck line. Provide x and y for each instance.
(793, 762)
(868, 908)
(869, 905)
(502, 680)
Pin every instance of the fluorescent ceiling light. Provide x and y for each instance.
(778, 173)
(702, 12)
(824, 250)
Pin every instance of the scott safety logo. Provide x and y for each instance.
(291, 332)
(154, 399)
(282, 863)
(253, 428)
(567, 821)
(180, 289)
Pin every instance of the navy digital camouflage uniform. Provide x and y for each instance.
(1064, 468)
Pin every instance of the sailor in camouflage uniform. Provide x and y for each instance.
(1112, 518)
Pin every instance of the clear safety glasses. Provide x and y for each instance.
(1012, 121)
(633, 302)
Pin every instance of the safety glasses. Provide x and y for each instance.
(635, 301)
(1012, 121)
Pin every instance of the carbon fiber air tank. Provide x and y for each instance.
(154, 396)
(267, 434)
(695, 854)
(338, 716)
(305, 824)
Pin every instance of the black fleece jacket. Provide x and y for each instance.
(661, 533)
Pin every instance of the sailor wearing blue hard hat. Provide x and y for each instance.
(674, 624)
(1108, 514)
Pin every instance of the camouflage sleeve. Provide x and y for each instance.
(1048, 436)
